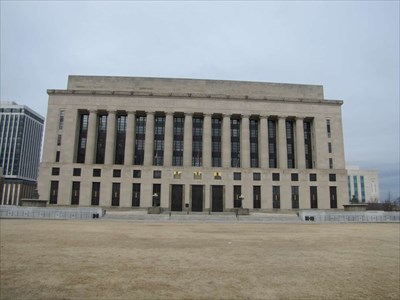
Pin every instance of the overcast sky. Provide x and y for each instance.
(351, 48)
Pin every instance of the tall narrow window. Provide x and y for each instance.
(139, 139)
(308, 145)
(101, 139)
(329, 147)
(295, 197)
(75, 192)
(254, 159)
(237, 193)
(177, 156)
(115, 194)
(330, 163)
(313, 197)
(216, 141)
(136, 195)
(290, 144)
(197, 142)
(53, 192)
(95, 193)
(257, 196)
(159, 133)
(362, 189)
(328, 128)
(235, 143)
(120, 142)
(272, 144)
(355, 183)
(83, 127)
(61, 120)
(276, 196)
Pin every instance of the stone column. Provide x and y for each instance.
(110, 138)
(130, 138)
(91, 137)
(300, 151)
(245, 142)
(207, 141)
(149, 139)
(168, 138)
(188, 140)
(263, 143)
(282, 145)
(226, 141)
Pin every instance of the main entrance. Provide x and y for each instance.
(217, 200)
(197, 198)
(177, 197)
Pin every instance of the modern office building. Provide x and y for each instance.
(21, 131)
(363, 185)
(196, 144)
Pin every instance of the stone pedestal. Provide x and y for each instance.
(242, 211)
(154, 210)
(33, 202)
(355, 207)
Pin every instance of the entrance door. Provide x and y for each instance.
(176, 197)
(197, 198)
(217, 204)
(313, 197)
(333, 196)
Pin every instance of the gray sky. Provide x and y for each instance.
(351, 48)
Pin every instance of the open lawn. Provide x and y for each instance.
(117, 259)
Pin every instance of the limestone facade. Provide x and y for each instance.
(201, 144)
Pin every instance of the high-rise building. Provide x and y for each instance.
(201, 144)
(363, 185)
(21, 131)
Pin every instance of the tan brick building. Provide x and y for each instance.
(204, 144)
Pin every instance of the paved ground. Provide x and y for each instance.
(117, 258)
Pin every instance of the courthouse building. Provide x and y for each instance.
(192, 144)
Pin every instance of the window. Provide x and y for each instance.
(95, 193)
(61, 120)
(117, 173)
(328, 128)
(332, 177)
(115, 194)
(139, 139)
(137, 173)
(330, 147)
(313, 177)
(120, 140)
(237, 196)
(83, 130)
(96, 172)
(237, 176)
(275, 176)
(290, 144)
(136, 195)
(272, 144)
(197, 142)
(156, 174)
(55, 171)
(59, 140)
(216, 141)
(256, 196)
(177, 151)
(159, 129)
(295, 197)
(254, 160)
(101, 138)
(197, 175)
(294, 176)
(308, 144)
(58, 156)
(76, 172)
(235, 143)
(156, 195)
(75, 192)
(256, 176)
(217, 175)
(276, 196)
(53, 192)
(177, 174)
(330, 163)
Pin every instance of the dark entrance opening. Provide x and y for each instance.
(313, 197)
(177, 197)
(333, 196)
(217, 204)
(197, 198)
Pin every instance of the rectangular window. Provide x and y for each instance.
(237, 176)
(61, 120)
(355, 183)
(159, 136)
(362, 189)
(197, 142)
(256, 176)
(75, 192)
(58, 156)
(313, 177)
(83, 130)
(137, 173)
(96, 172)
(294, 177)
(313, 197)
(272, 144)
(330, 163)
(116, 173)
(276, 197)
(256, 196)
(178, 129)
(328, 128)
(235, 143)
(55, 171)
(59, 139)
(53, 192)
(140, 136)
(329, 147)
(157, 174)
(120, 140)
(254, 159)
(216, 141)
(295, 197)
(308, 144)
(76, 172)
(115, 194)
(275, 176)
(101, 138)
(290, 144)
(332, 177)
(136, 195)
(95, 193)
(237, 196)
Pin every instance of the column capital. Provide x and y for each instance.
(226, 115)
(190, 114)
(282, 117)
(131, 112)
(150, 113)
(114, 112)
(92, 111)
(207, 115)
(169, 113)
(299, 118)
(264, 116)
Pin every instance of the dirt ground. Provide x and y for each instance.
(117, 259)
